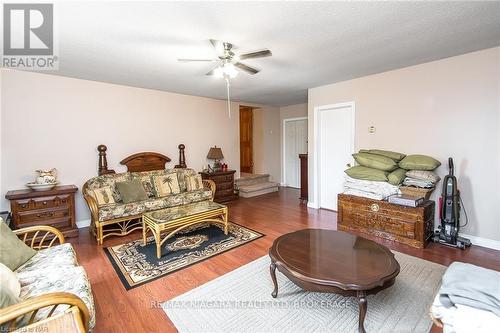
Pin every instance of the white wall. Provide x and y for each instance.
(51, 121)
(287, 112)
(445, 108)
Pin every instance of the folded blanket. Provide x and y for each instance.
(464, 319)
(418, 182)
(470, 285)
(369, 189)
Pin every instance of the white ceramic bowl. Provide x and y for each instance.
(41, 187)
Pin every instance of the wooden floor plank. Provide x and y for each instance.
(274, 214)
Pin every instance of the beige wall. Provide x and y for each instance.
(443, 108)
(50, 121)
(287, 112)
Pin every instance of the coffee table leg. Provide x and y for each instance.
(272, 269)
(362, 311)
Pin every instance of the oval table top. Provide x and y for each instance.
(334, 258)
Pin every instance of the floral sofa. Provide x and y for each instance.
(51, 282)
(121, 218)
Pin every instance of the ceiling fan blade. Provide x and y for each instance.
(206, 60)
(247, 68)
(256, 54)
(218, 46)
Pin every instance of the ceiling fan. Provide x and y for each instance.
(228, 62)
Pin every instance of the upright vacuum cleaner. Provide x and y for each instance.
(449, 209)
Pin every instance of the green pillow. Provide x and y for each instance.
(419, 162)
(373, 161)
(397, 176)
(391, 154)
(364, 173)
(10, 288)
(131, 191)
(13, 251)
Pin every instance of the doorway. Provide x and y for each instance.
(294, 143)
(246, 139)
(335, 126)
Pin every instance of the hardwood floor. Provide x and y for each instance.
(273, 214)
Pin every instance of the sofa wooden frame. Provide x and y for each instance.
(38, 238)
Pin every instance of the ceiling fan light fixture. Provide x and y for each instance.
(226, 70)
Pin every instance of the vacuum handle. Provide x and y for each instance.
(450, 165)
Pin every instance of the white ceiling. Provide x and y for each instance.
(313, 43)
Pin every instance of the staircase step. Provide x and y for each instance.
(248, 191)
(251, 179)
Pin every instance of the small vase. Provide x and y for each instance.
(46, 176)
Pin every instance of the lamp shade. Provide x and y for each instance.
(215, 153)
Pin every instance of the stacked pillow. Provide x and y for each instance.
(377, 165)
(420, 172)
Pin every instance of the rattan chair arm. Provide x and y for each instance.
(11, 314)
(210, 185)
(41, 234)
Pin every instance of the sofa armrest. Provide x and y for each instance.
(210, 185)
(39, 237)
(24, 313)
(93, 207)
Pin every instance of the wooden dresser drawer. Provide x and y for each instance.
(42, 215)
(224, 186)
(223, 179)
(41, 203)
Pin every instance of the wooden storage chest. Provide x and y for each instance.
(407, 225)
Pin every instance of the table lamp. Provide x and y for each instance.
(215, 154)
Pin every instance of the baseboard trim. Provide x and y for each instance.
(83, 223)
(484, 242)
(313, 205)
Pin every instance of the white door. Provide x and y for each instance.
(295, 143)
(336, 144)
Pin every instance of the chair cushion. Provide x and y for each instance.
(110, 212)
(195, 196)
(71, 279)
(13, 252)
(53, 257)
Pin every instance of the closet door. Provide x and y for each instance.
(295, 143)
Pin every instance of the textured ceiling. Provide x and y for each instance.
(313, 43)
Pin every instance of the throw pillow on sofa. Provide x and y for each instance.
(103, 196)
(131, 191)
(374, 161)
(10, 288)
(13, 251)
(194, 183)
(424, 175)
(166, 185)
(419, 162)
(397, 176)
(364, 173)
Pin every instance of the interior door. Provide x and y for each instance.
(246, 139)
(295, 143)
(336, 144)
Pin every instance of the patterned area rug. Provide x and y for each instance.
(137, 264)
(240, 301)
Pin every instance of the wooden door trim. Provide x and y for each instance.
(314, 202)
(283, 147)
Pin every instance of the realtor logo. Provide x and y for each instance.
(28, 36)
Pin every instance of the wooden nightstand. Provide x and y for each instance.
(224, 182)
(55, 208)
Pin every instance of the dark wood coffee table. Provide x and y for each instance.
(334, 261)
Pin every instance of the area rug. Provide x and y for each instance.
(240, 301)
(137, 264)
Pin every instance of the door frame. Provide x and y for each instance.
(283, 160)
(316, 147)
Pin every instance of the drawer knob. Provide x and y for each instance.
(45, 202)
(374, 207)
